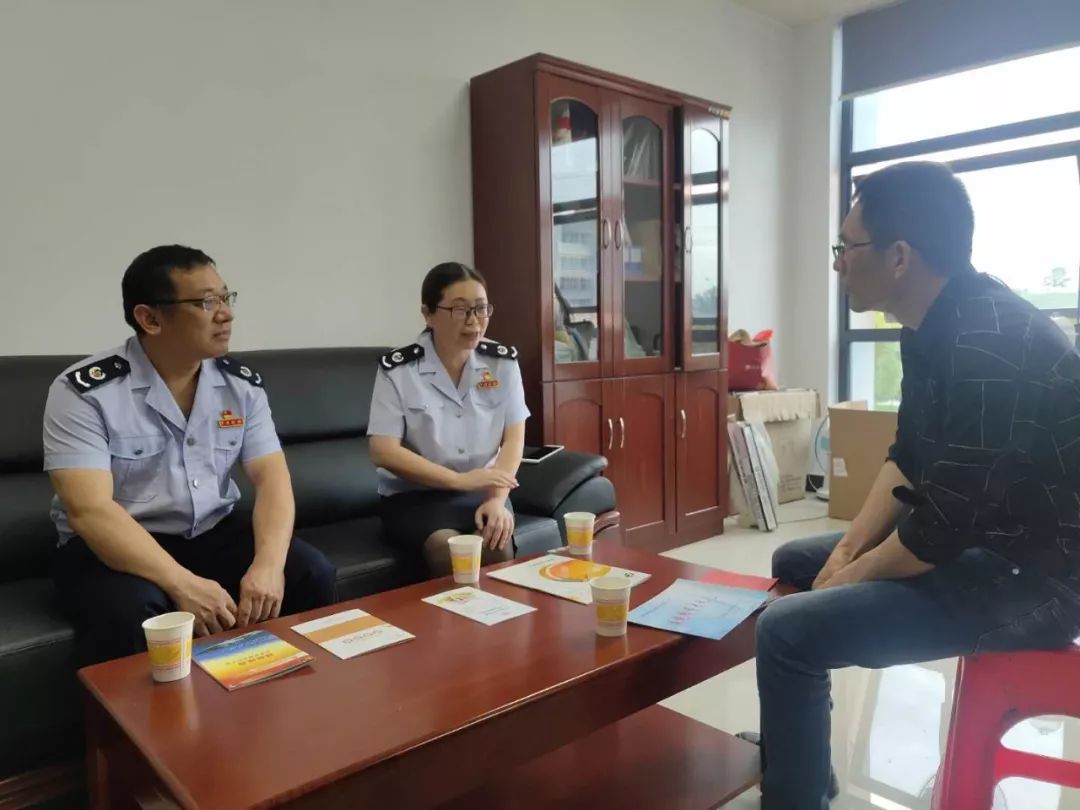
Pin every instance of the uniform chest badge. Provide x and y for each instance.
(488, 380)
(230, 420)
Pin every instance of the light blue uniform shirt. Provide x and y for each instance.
(460, 427)
(170, 473)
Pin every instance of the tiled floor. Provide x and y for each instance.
(888, 725)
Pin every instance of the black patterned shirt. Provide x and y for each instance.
(989, 430)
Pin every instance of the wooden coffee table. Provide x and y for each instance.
(409, 726)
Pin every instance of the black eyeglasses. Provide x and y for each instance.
(210, 303)
(840, 249)
(459, 313)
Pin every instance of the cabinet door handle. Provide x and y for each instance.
(682, 413)
(605, 233)
(610, 433)
(618, 234)
(688, 240)
(622, 433)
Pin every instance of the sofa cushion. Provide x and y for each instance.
(27, 536)
(535, 535)
(42, 711)
(332, 480)
(317, 393)
(365, 562)
(31, 617)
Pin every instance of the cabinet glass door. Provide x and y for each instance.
(706, 182)
(575, 245)
(643, 284)
(639, 238)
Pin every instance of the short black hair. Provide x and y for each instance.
(924, 204)
(147, 281)
(442, 276)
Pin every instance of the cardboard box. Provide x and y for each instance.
(859, 442)
(789, 418)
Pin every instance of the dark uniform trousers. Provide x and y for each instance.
(108, 607)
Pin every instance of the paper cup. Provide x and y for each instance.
(611, 598)
(168, 641)
(465, 558)
(579, 532)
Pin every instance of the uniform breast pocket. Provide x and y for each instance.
(490, 410)
(426, 427)
(138, 467)
(227, 447)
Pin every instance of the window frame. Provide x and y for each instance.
(850, 160)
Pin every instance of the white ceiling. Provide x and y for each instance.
(797, 12)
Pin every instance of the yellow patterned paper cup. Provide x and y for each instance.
(465, 558)
(579, 532)
(611, 598)
(168, 642)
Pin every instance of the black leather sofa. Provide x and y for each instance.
(319, 399)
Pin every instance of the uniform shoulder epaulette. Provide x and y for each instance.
(493, 349)
(88, 377)
(399, 357)
(230, 365)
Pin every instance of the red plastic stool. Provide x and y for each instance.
(994, 693)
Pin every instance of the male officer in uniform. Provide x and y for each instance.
(139, 442)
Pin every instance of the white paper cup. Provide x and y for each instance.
(465, 558)
(168, 640)
(611, 599)
(579, 532)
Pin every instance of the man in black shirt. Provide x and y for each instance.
(969, 540)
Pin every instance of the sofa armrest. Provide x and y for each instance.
(543, 487)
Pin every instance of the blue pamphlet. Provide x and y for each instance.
(698, 608)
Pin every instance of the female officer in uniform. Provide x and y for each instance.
(447, 425)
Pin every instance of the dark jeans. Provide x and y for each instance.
(108, 607)
(977, 603)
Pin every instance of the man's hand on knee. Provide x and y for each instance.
(213, 608)
(261, 592)
(840, 558)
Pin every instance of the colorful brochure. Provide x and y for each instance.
(248, 659)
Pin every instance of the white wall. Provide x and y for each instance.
(319, 149)
(808, 338)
